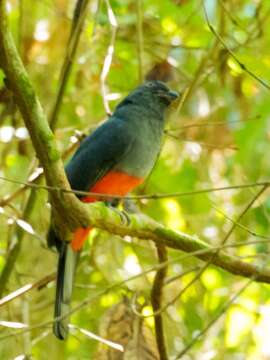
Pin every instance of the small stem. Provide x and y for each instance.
(140, 39)
(15, 250)
(74, 37)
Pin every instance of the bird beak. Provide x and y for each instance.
(169, 96)
(173, 95)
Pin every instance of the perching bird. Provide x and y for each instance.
(113, 160)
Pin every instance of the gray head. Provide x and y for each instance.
(151, 94)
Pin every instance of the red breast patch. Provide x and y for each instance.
(114, 183)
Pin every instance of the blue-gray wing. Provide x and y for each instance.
(99, 153)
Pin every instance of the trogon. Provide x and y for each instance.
(114, 159)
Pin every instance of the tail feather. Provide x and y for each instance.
(64, 285)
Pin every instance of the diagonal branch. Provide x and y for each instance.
(77, 24)
(242, 65)
(73, 41)
(17, 80)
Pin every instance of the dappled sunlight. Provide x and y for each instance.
(261, 332)
(238, 323)
(209, 185)
(174, 218)
(131, 265)
(42, 30)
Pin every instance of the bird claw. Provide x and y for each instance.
(125, 220)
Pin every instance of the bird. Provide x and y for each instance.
(114, 159)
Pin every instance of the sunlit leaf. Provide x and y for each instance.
(25, 226)
(12, 324)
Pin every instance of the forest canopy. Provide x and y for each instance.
(189, 279)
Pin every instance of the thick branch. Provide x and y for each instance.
(77, 24)
(143, 227)
(17, 80)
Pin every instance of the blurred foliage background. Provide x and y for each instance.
(217, 137)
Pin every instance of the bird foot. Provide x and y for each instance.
(125, 220)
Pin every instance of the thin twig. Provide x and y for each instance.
(213, 321)
(241, 226)
(73, 41)
(171, 279)
(15, 250)
(244, 211)
(202, 144)
(19, 292)
(242, 65)
(36, 173)
(212, 257)
(208, 263)
(108, 57)
(139, 39)
(135, 197)
(199, 71)
(43, 282)
(256, 275)
(204, 124)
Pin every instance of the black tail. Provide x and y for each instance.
(65, 275)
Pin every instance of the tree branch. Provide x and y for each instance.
(79, 15)
(143, 227)
(71, 213)
(156, 300)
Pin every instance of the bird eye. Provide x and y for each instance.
(150, 84)
(157, 86)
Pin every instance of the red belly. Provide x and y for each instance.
(114, 183)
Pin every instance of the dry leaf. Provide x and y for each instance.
(122, 326)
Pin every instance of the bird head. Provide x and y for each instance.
(154, 95)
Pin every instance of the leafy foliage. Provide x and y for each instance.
(217, 137)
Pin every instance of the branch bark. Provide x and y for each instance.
(76, 28)
(156, 300)
(71, 213)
